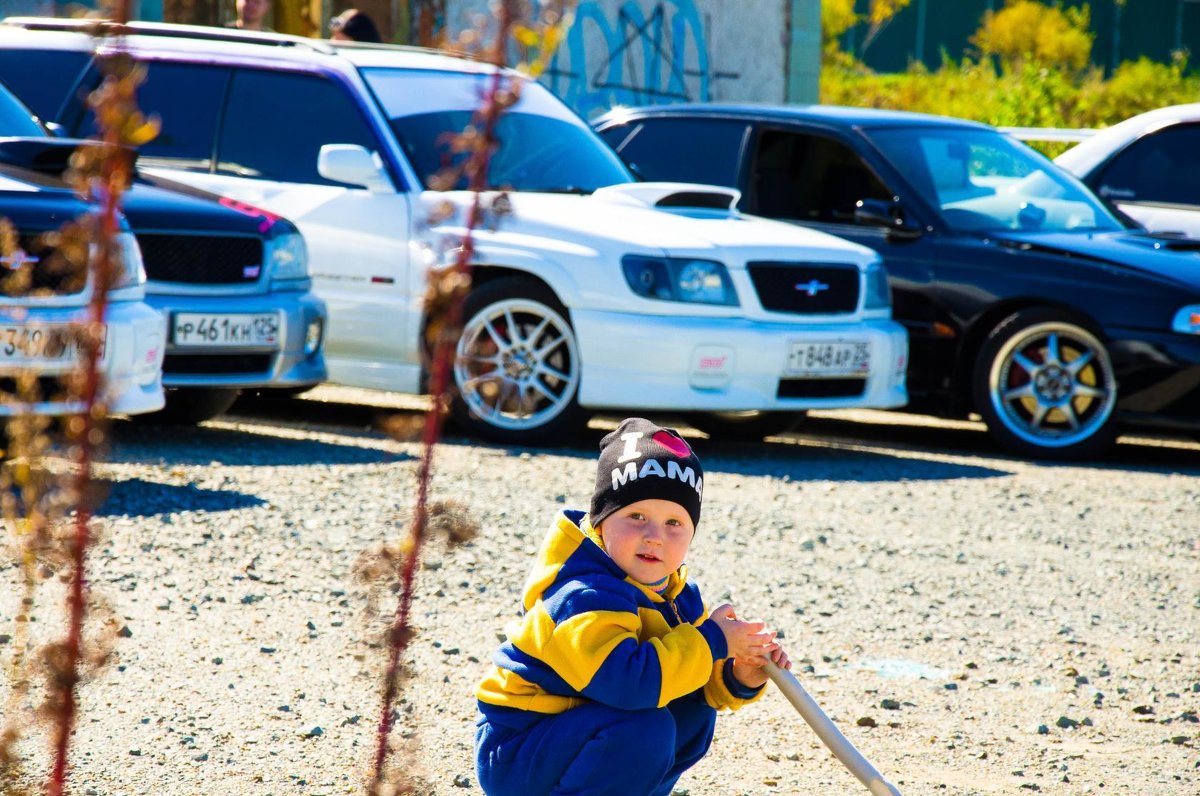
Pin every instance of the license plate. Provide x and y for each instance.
(211, 329)
(40, 345)
(828, 359)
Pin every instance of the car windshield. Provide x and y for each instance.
(983, 181)
(543, 145)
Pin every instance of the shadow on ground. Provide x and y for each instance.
(192, 445)
(139, 498)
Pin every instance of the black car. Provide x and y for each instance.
(1026, 299)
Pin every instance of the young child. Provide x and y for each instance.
(611, 682)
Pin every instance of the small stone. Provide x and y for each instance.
(135, 752)
(866, 721)
(314, 732)
(218, 660)
(774, 758)
(125, 632)
(200, 758)
(951, 686)
(1042, 729)
(1081, 680)
(1143, 710)
(1066, 723)
(5, 638)
(267, 650)
(889, 704)
(1179, 740)
(462, 781)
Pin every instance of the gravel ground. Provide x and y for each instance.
(1002, 626)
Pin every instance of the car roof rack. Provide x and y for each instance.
(168, 30)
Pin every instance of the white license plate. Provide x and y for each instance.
(219, 329)
(828, 359)
(40, 345)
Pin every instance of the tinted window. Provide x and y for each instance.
(1164, 167)
(809, 178)
(681, 150)
(187, 101)
(42, 78)
(276, 122)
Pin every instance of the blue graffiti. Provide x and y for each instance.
(643, 62)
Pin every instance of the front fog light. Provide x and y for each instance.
(312, 337)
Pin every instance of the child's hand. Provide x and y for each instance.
(748, 642)
(754, 675)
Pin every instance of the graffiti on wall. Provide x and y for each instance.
(641, 57)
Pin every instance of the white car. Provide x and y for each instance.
(1148, 166)
(43, 293)
(596, 292)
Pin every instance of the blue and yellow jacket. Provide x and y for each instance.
(591, 633)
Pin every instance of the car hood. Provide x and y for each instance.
(1171, 257)
(669, 219)
(152, 204)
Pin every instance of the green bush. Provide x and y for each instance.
(1041, 86)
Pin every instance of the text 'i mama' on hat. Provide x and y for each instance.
(642, 461)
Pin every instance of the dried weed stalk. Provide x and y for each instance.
(532, 30)
(47, 503)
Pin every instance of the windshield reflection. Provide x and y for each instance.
(983, 181)
(543, 145)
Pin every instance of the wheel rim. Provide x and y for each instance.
(1052, 385)
(517, 365)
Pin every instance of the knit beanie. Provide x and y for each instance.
(642, 461)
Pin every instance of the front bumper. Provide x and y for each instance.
(636, 361)
(131, 367)
(281, 364)
(1158, 378)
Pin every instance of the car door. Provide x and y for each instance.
(1156, 180)
(812, 176)
(273, 128)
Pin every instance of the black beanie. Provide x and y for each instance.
(642, 461)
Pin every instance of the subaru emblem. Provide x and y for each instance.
(812, 288)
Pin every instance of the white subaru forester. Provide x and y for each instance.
(596, 293)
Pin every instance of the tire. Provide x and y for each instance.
(187, 406)
(743, 426)
(517, 387)
(1045, 386)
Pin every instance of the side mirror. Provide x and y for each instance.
(353, 164)
(889, 215)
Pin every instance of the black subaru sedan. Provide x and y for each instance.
(1026, 300)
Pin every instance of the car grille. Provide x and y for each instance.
(45, 388)
(213, 364)
(202, 259)
(806, 288)
(40, 268)
(821, 388)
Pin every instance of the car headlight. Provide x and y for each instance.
(678, 279)
(877, 295)
(1187, 320)
(130, 271)
(286, 256)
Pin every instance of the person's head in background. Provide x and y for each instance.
(252, 14)
(353, 25)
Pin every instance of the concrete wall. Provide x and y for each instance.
(639, 52)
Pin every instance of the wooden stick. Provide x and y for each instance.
(829, 734)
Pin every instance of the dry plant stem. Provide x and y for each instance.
(443, 354)
(113, 175)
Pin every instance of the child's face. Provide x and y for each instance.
(648, 539)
